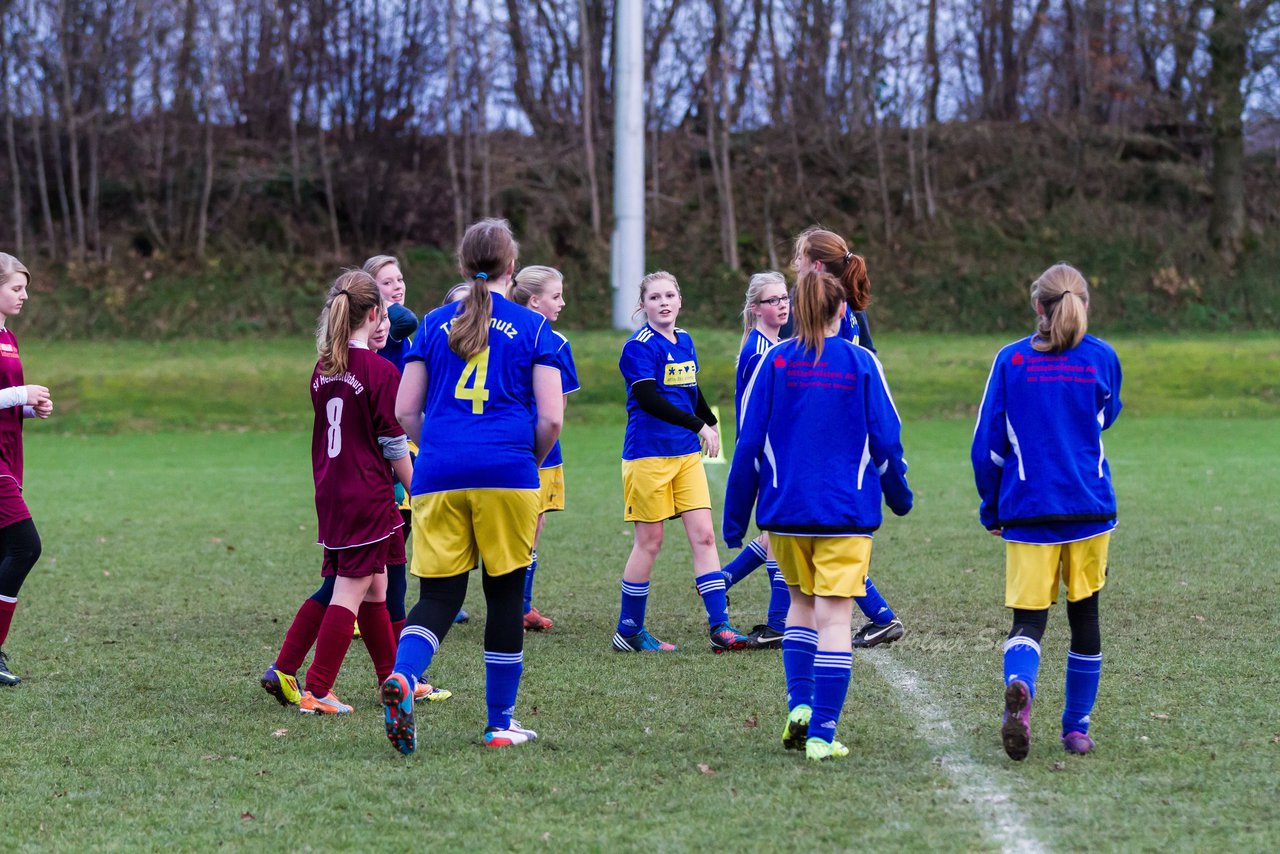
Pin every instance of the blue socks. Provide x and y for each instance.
(528, 582)
(831, 672)
(418, 645)
(1022, 662)
(799, 646)
(747, 561)
(779, 597)
(873, 606)
(502, 682)
(631, 615)
(1083, 673)
(711, 589)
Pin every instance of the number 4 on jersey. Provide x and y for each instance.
(475, 372)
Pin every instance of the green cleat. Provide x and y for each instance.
(796, 729)
(818, 750)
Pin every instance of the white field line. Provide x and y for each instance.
(994, 804)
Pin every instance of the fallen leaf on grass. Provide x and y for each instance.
(1198, 618)
(1276, 740)
(751, 722)
(280, 732)
(706, 769)
(1160, 716)
(105, 574)
(546, 837)
(247, 816)
(1058, 766)
(215, 539)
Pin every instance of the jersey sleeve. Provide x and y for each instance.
(884, 440)
(568, 370)
(990, 447)
(403, 321)
(744, 475)
(416, 351)
(546, 347)
(1111, 405)
(638, 362)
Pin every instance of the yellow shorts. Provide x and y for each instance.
(413, 456)
(454, 531)
(1033, 573)
(823, 566)
(656, 489)
(552, 481)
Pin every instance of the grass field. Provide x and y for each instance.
(175, 557)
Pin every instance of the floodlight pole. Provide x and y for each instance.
(627, 250)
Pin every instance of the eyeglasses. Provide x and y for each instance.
(774, 302)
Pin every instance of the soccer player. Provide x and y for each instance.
(823, 250)
(766, 310)
(279, 680)
(817, 484)
(19, 539)
(542, 289)
(354, 436)
(1045, 488)
(481, 394)
(668, 424)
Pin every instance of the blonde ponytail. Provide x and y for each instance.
(816, 303)
(349, 301)
(1062, 296)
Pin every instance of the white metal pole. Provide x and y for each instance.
(627, 256)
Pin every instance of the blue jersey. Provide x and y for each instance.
(403, 323)
(807, 472)
(478, 417)
(569, 384)
(752, 350)
(855, 329)
(648, 355)
(1038, 461)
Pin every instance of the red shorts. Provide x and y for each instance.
(359, 561)
(396, 552)
(12, 507)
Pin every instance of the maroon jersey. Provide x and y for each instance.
(11, 417)
(355, 501)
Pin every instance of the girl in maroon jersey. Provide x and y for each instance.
(355, 433)
(19, 540)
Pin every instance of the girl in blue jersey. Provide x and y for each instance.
(1046, 490)
(668, 424)
(542, 289)
(766, 311)
(481, 395)
(817, 483)
(823, 250)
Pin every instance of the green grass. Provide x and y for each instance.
(174, 561)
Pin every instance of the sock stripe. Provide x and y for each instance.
(424, 633)
(800, 634)
(1021, 641)
(633, 589)
(12, 600)
(1076, 656)
(503, 657)
(755, 546)
(711, 585)
(834, 660)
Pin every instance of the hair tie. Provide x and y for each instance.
(342, 291)
(848, 256)
(481, 277)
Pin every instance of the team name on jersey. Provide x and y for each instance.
(344, 377)
(8, 351)
(506, 327)
(681, 373)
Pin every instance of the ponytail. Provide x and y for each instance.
(818, 244)
(755, 287)
(816, 303)
(350, 298)
(487, 252)
(531, 281)
(1062, 295)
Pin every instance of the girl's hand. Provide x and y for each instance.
(995, 532)
(37, 395)
(44, 408)
(710, 438)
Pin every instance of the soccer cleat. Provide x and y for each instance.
(796, 729)
(535, 622)
(874, 634)
(1077, 742)
(725, 638)
(642, 642)
(514, 734)
(7, 676)
(1015, 730)
(462, 617)
(329, 704)
(430, 693)
(763, 637)
(818, 750)
(397, 702)
(283, 686)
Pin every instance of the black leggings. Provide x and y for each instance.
(439, 600)
(19, 551)
(1086, 634)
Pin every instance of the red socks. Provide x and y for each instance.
(331, 648)
(6, 617)
(379, 638)
(301, 636)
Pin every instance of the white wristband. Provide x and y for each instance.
(14, 395)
